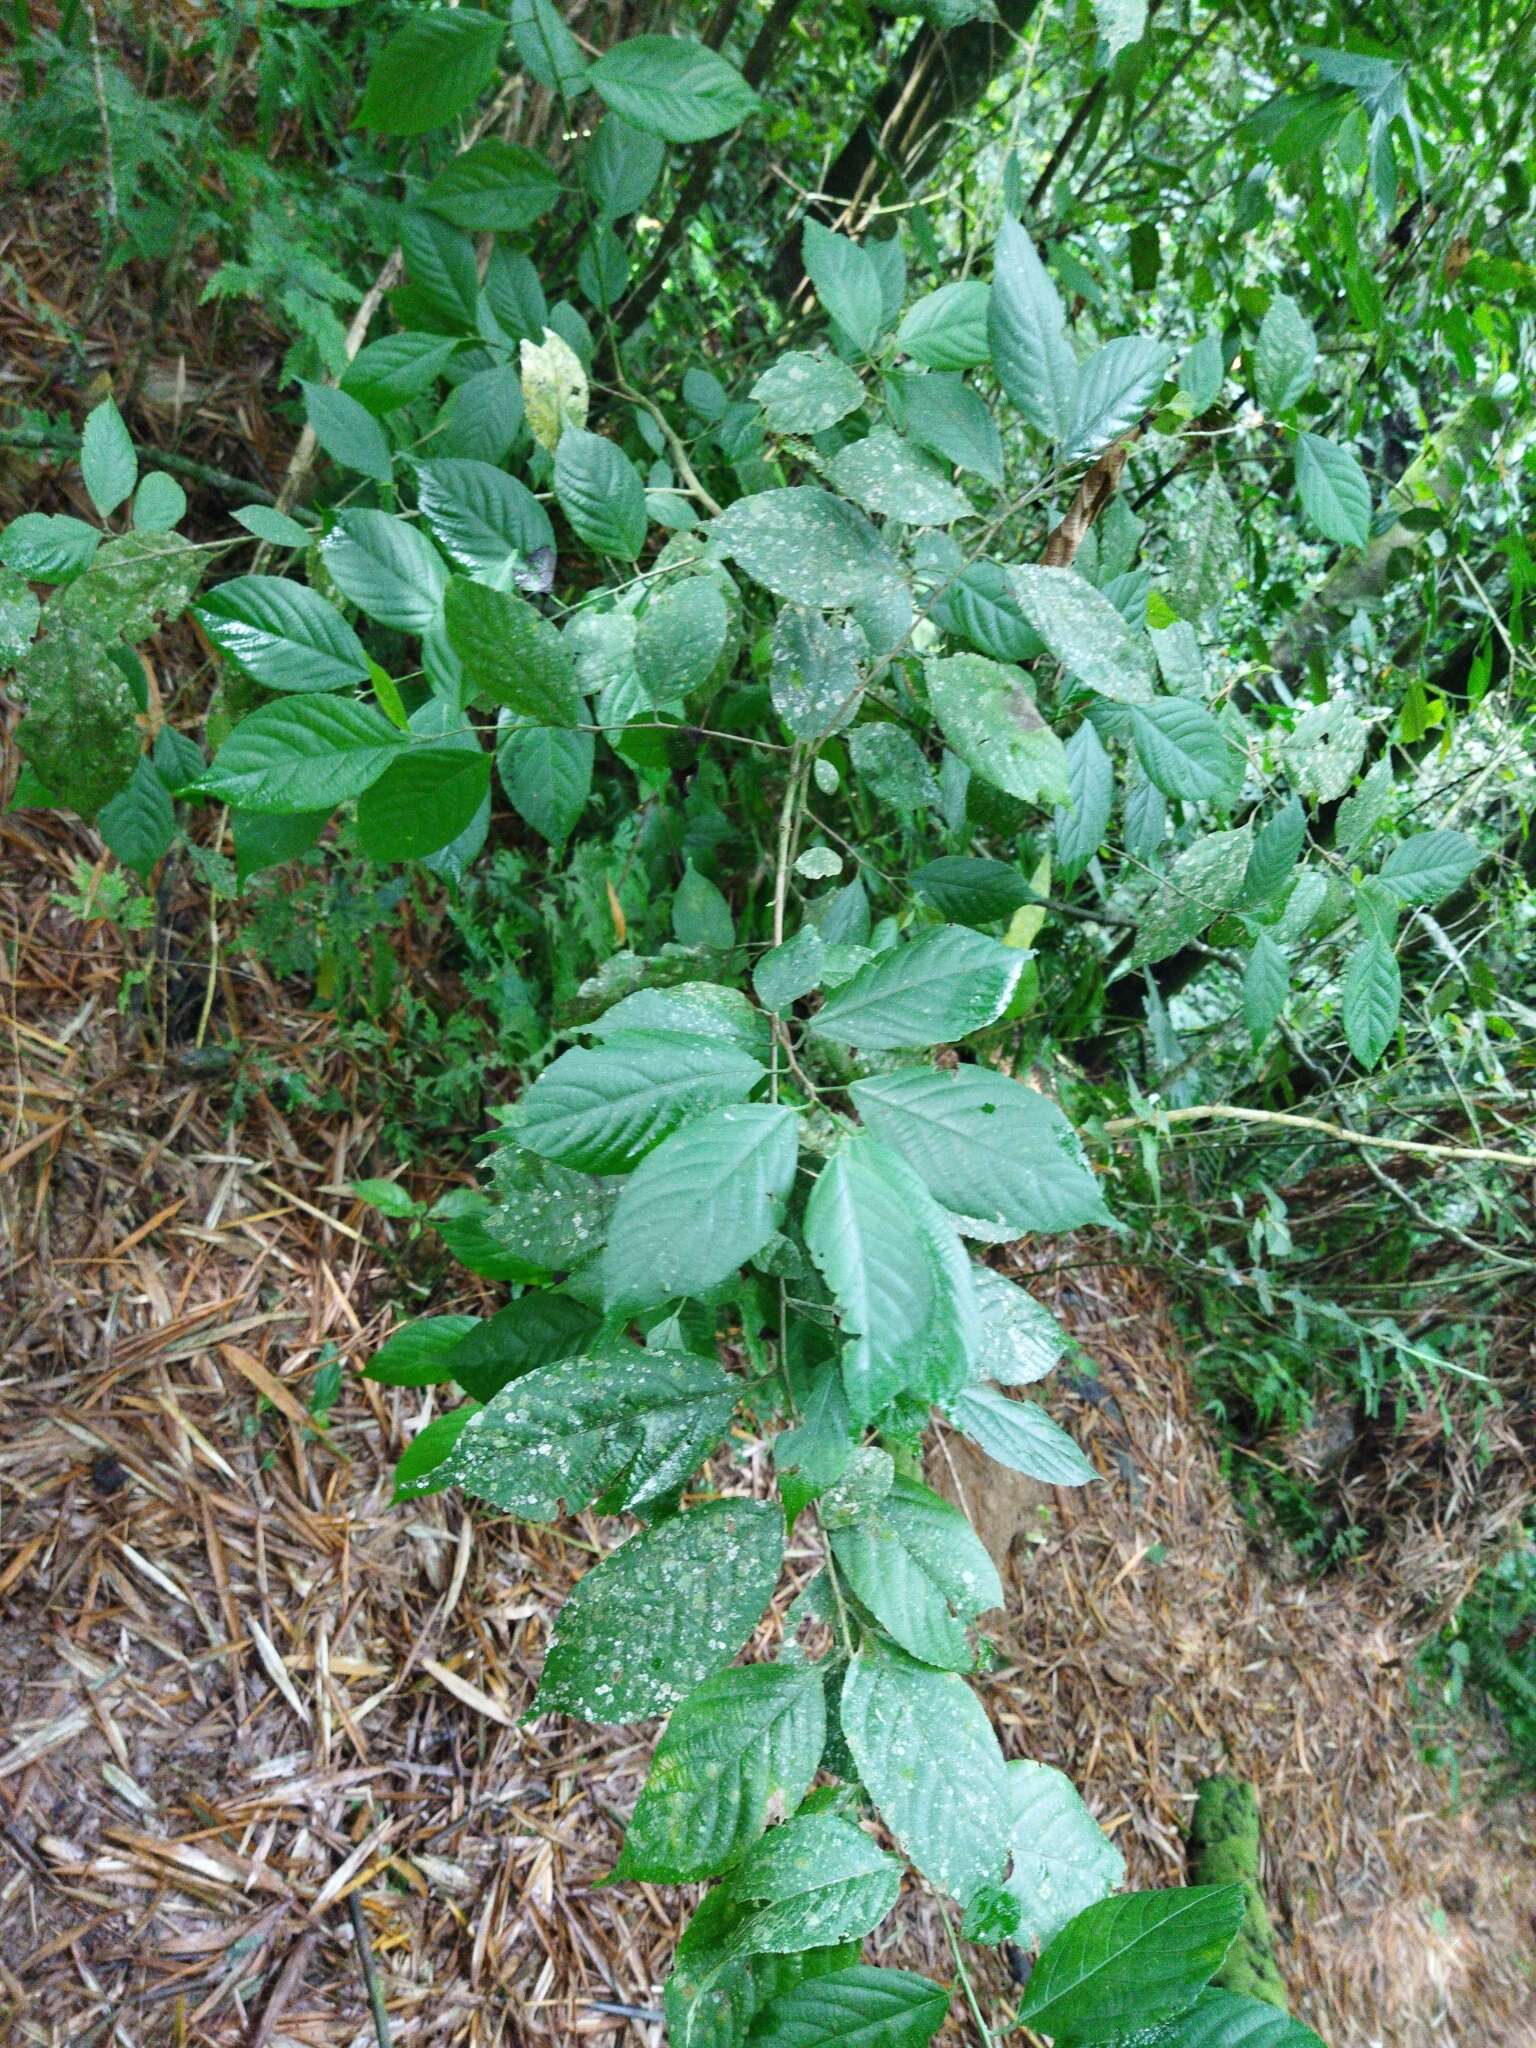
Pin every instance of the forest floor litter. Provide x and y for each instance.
(261, 1743)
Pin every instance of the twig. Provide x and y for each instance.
(370, 1975)
(60, 441)
(287, 1978)
(1231, 1112)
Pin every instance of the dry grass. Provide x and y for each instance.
(248, 1706)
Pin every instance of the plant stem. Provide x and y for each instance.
(965, 1979)
(1232, 1112)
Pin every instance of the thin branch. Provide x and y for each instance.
(1231, 1112)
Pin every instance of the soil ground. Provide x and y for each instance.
(250, 1713)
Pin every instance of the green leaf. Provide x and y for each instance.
(422, 1468)
(814, 676)
(1372, 999)
(1206, 555)
(806, 545)
(309, 754)
(999, 1157)
(602, 1110)
(387, 568)
(263, 841)
(79, 732)
(1205, 880)
(680, 638)
(536, 1329)
(806, 394)
(847, 283)
(1116, 385)
(1182, 749)
(138, 824)
(282, 633)
(1083, 821)
(493, 187)
(600, 493)
(1276, 849)
(1027, 334)
(816, 1880)
(1333, 490)
(1085, 633)
(511, 654)
(663, 1613)
(48, 547)
(1202, 374)
(972, 891)
(700, 914)
(947, 329)
(390, 372)
(1062, 1860)
(347, 431)
(625, 1426)
(1285, 355)
(270, 525)
(545, 1216)
(548, 49)
(702, 1204)
(782, 976)
(749, 1740)
(943, 414)
(892, 766)
(901, 1281)
(484, 520)
(418, 1354)
(1019, 1340)
(928, 1758)
(917, 1565)
(1020, 1435)
(1131, 1960)
(1323, 752)
(980, 607)
(423, 801)
(987, 713)
(547, 774)
(159, 503)
(430, 70)
(700, 1007)
(1429, 865)
(107, 460)
(889, 476)
(481, 419)
(19, 614)
(620, 167)
(1120, 23)
(1266, 983)
(861, 2007)
(936, 989)
(1224, 2019)
(673, 88)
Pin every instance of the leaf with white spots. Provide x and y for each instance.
(1062, 1860)
(916, 1564)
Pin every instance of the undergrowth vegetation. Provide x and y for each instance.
(915, 684)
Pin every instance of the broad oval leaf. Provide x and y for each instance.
(388, 568)
(900, 1278)
(1000, 1157)
(947, 329)
(1019, 1339)
(511, 654)
(928, 1758)
(701, 1204)
(804, 544)
(601, 493)
(1027, 334)
(493, 187)
(676, 89)
(430, 70)
(747, 1740)
(847, 283)
(1084, 819)
(862, 2007)
(1333, 489)
(1062, 1860)
(423, 801)
(814, 1881)
(418, 1353)
(1114, 388)
(1131, 1960)
(484, 520)
(1372, 999)
(923, 1573)
(988, 714)
(1085, 633)
(602, 1109)
(887, 475)
(1226, 2019)
(1020, 1435)
(663, 1613)
(806, 394)
(624, 1426)
(282, 633)
(936, 989)
(1429, 865)
(1183, 750)
(308, 754)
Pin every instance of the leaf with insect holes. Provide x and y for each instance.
(621, 1426)
(664, 1612)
